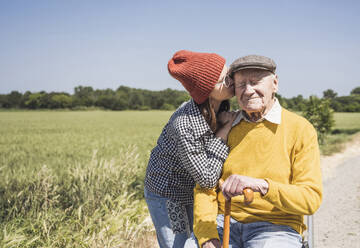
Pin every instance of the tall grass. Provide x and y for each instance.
(91, 205)
(75, 179)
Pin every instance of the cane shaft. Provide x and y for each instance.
(226, 231)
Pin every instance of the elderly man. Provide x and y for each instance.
(272, 151)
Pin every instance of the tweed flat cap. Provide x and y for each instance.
(252, 62)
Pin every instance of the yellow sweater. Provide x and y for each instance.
(286, 156)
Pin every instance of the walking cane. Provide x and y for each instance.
(248, 198)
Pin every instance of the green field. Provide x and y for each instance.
(347, 121)
(75, 179)
(346, 124)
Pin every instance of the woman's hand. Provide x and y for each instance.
(235, 184)
(225, 119)
(212, 243)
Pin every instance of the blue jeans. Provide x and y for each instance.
(255, 235)
(159, 215)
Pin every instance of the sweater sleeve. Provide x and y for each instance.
(202, 160)
(304, 193)
(205, 212)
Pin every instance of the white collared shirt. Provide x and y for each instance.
(274, 115)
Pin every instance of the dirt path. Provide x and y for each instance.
(337, 222)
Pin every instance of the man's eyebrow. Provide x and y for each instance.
(252, 78)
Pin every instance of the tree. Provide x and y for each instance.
(296, 103)
(120, 104)
(124, 89)
(120, 101)
(329, 94)
(167, 106)
(183, 97)
(61, 101)
(24, 99)
(355, 91)
(281, 100)
(4, 101)
(14, 98)
(319, 113)
(106, 101)
(34, 101)
(84, 96)
(136, 100)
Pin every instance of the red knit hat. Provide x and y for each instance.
(198, 72)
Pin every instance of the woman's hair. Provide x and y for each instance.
(207, 110)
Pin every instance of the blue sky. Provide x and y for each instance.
(59, 44)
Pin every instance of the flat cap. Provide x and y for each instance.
(252, 62)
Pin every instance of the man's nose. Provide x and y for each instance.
(248, 88)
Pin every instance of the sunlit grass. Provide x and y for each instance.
(75, 179)
(346, 125)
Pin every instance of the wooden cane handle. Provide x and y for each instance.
(248, 193)
(248, 196)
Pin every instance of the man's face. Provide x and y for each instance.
(254, 89)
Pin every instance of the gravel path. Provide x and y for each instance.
(337, 222)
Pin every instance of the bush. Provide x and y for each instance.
(319, 113)
(61, 101)
(167, 106)
(355, 91)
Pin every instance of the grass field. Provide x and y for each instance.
(346, 124)
(347, 121)
(75, 179)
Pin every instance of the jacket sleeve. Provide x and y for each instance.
(304, 194)
(205, 212)
(203, 160)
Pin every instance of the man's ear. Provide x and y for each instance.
(276, 83)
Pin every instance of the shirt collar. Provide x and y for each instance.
(274, 115)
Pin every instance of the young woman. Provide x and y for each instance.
(192, 146)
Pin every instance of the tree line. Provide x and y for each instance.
(126, 98)
(123, 98)
(350, 103)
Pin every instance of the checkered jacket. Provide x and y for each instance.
(187, 152)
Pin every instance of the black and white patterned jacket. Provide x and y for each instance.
(187, 152)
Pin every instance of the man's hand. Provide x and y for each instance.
(235, 184)
(212, 243)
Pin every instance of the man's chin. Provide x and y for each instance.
(252, 109)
